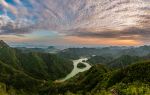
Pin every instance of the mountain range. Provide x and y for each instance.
(114, 71)
(29, 70)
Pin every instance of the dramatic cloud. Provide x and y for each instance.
(9, 26)
(130, 33)
(112, 19)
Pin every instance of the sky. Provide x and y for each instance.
(76, 22)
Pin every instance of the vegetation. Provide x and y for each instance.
(81, 65)
(49, 49)
(132, 80)
(124, 72)
(113, 52)
(100, 60)
(23, 71)
(119, 62)
(76, 53)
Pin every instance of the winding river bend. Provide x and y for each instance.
(76, 70)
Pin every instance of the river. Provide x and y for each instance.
(76, 70)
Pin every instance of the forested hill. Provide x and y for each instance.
(28, 71)
(99, 80)
(114, 71)
(112, 51)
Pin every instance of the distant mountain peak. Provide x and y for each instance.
(3, 44)
(51, 47)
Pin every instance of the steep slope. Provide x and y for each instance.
(136, 72)
(45, 66)
(18, 79)
(100, 60)
(82, 83)
(132, 80)
(32, 73)
(39, 65)
(8, 55)
(123, 61)
(119, 62)
(27, 73)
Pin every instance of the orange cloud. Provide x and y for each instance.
(102, 41)
(73, 40)
(13, 38)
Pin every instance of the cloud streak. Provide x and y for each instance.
(120, 19)
(132, 33)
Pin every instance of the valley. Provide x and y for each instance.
(74, 47)
(76, 70)
(75, 73)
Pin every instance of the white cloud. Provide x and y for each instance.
(96, 15)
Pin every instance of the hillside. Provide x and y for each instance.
(49, 49)
(34, 73)
(119, 62)
(47, 66)
(30, 70)
(18, 79)
(113, 51)
(132, 80)
(75, 53)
